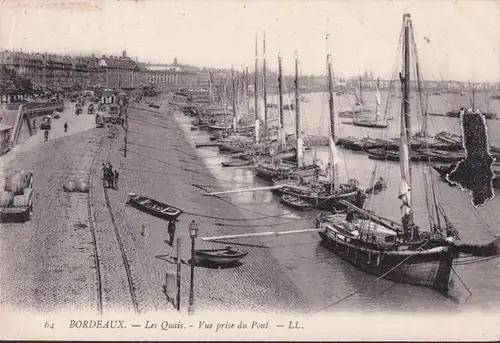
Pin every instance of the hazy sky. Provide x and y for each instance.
(463, 36)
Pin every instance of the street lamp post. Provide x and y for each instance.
(193, 233)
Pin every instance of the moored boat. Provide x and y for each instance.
(225, 256)
(377, 122)
(295, 203)
(236, 163)
(154, 207)
(371, 123)
(402, 252)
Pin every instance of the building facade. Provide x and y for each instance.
(63, 71)
(171, 76)
(120, 71)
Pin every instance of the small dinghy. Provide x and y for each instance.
(295, 203)
(153, 207)
(153, 105)
(236, 163)
(225, 256)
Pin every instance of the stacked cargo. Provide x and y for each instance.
(16, 192)
(78, 185)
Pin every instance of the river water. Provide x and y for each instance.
(321, 275)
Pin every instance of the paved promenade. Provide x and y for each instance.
(162, 165)
(48, 262)
(65, 260)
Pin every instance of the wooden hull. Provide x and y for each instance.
(154, 207)
(347, 114)
(370, 124)
(326, 202)
(415, 156)
(239, 163)
(429, 268)
(231, 149)
(219, 256)
(271, 174)
(295, 203)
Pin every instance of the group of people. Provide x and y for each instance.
(110, 176)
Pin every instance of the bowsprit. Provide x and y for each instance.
(97, 324)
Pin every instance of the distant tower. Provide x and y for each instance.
(124, 54)
(175, 61)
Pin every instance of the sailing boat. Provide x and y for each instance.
(488, 115)
(401, 252)
(264, 141)
(277, 169)
(373, 123)
(324, 195)
(360, 103)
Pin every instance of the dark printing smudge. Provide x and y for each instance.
(474, 172)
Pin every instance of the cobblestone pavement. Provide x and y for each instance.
(48, 262)
(52, 260)
(115, 288)
(162, 165)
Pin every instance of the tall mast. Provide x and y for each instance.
(377, 100)
(334, 170)
(245, 90)
(280, 104)
(264, 75)
(210, 90)
(256, 91)
(404, 150)
(360, 92)
(237, 88)
(234, 98)
(298, 133)
(223, 102)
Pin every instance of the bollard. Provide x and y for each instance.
(145, 229)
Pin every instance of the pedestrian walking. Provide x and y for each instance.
(46, 133)
(171, 232)
(34, 124)
(111, 178)
(65, 126)
(116, 178)
(105, 174)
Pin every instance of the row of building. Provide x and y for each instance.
(59, 71)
